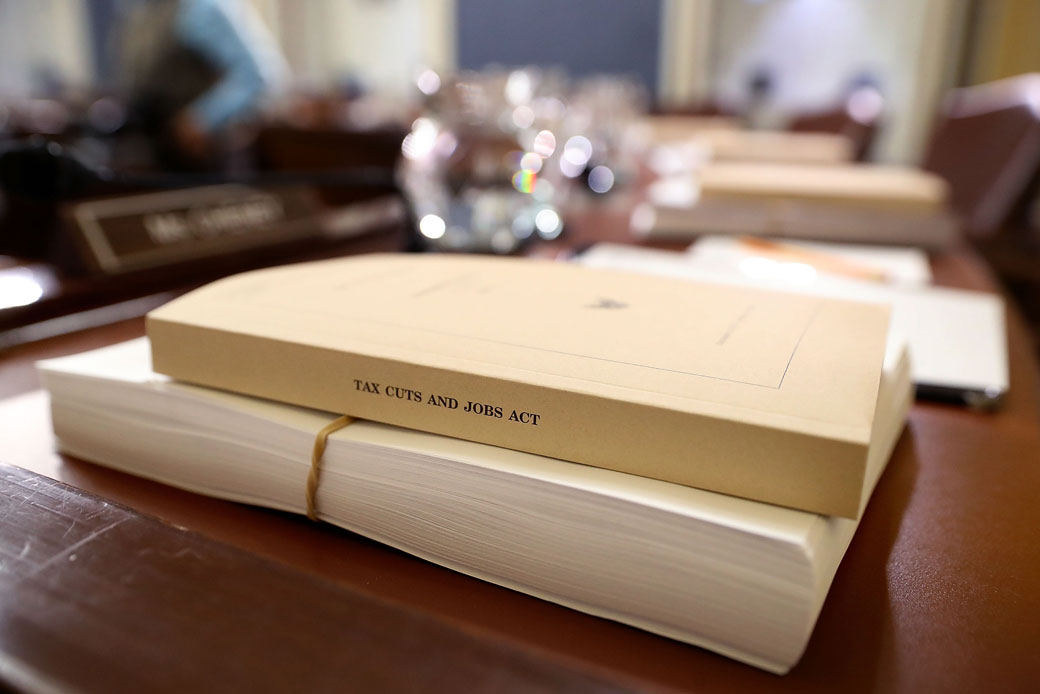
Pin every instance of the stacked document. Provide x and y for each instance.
(764, 395)
(848, 203)
(743, 578)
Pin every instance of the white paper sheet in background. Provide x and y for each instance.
(901, 266)
(957, 338)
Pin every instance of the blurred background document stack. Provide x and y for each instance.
(851, 203)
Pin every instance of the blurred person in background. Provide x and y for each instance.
(191, 70)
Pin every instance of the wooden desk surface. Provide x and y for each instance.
(97, 597)
(939, 591)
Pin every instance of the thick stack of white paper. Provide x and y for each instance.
(742, 578)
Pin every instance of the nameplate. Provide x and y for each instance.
(138, 232)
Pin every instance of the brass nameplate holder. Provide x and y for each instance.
(138, 232)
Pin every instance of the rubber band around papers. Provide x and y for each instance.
(319, 449)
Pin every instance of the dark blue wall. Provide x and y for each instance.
(584, 36)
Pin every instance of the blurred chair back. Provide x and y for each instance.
(986, 144)
(857, 118)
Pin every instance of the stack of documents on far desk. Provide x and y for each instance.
(694, 139)
(739, 577)
(852, 202)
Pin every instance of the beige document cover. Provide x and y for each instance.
(756, 394)
(853, 184)
(850, 203)
(782, 147)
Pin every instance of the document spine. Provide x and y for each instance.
(785, 468)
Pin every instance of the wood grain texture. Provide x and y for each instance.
(96, 597)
